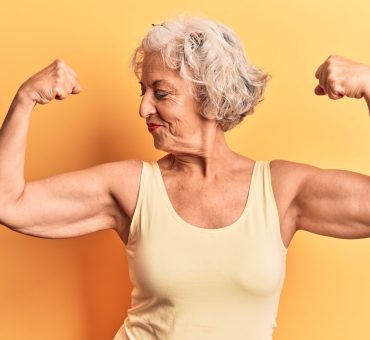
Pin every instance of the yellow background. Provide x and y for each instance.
(78, 288)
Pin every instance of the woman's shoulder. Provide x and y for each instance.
(124, 177)
(294, 171)
(286, 179)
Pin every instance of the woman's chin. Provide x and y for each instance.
(161, 147)
(158, 145)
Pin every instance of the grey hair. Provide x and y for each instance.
(209, 54)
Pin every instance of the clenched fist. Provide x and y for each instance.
(342, 77)
(55, 81)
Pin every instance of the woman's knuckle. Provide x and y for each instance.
(59, 89)
(331, 79)
(331, 62)
(61, 95)
(59, 79)
(59, 61)
(60, 71)
(336, 88)
(331, 68)
(68, 90)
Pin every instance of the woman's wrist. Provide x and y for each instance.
(24, 99)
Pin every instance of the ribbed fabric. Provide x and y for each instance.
(193, 283)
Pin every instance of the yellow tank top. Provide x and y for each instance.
(193, 283)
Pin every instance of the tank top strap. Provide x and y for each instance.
(267, 189)
(261, 183)
(255, 179)
(142, 201)
(265, 202)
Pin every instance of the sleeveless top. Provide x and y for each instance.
(193, 283)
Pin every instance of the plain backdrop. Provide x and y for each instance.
(78, 288)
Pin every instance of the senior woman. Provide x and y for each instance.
(206, 229)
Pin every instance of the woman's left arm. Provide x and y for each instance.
(332, 202)
(336, 202)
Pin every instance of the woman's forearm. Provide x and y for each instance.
(13, 140)
(56, 81)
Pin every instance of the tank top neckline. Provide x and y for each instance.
(235, 224)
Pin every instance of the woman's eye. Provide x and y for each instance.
(160, 94)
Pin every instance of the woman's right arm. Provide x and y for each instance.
(65, 205)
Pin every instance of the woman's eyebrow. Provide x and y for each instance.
(159, 82)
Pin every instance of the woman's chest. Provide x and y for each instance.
(220, 203)
(175, 261)
(215, 205)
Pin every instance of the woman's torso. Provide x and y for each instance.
(221, 202)
(215, 276)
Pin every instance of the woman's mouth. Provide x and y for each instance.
(151, 128)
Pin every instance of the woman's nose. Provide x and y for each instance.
(147, 106)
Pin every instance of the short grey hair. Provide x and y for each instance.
(210, 55)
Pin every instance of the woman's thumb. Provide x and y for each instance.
(319, 90)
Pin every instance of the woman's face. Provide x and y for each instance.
(167, 100)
